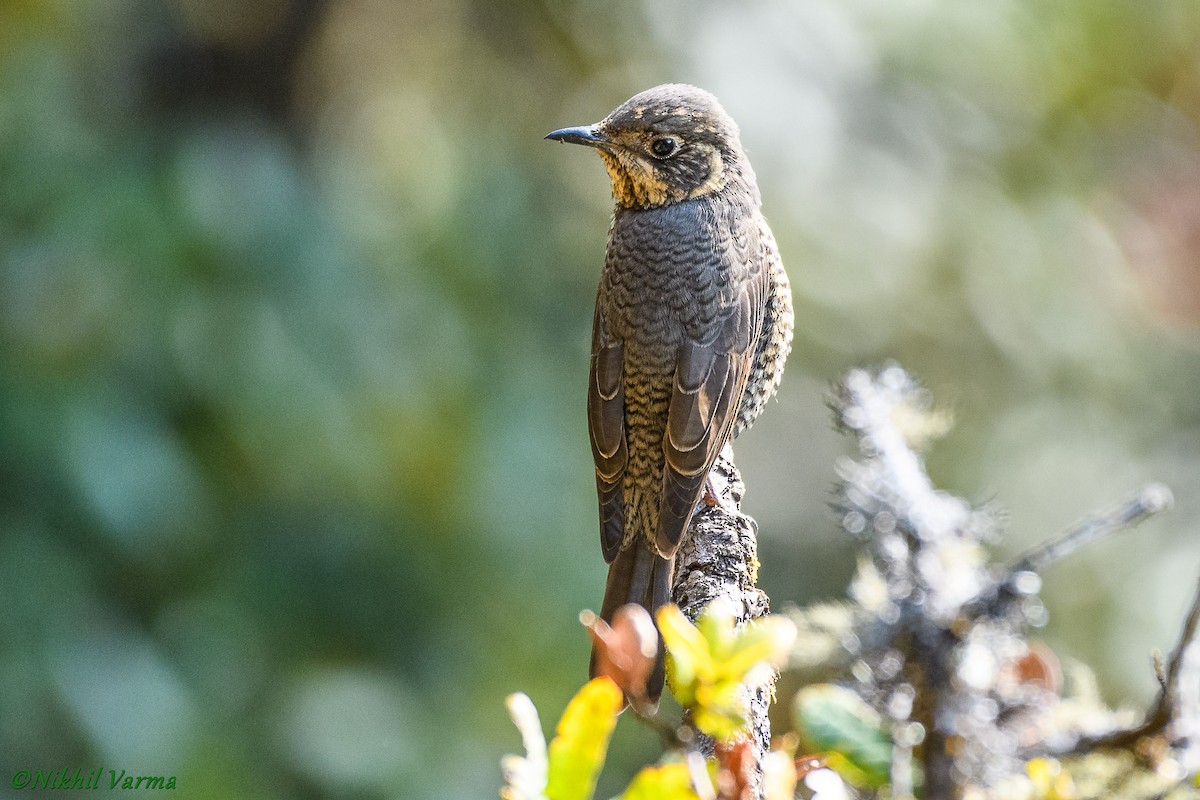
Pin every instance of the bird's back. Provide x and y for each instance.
(674, 277)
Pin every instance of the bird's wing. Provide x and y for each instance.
(606, 426)
(710, 378)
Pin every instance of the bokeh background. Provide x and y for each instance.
(294, 316)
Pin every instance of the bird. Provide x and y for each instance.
(692, 327)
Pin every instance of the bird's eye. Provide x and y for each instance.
(663, 147)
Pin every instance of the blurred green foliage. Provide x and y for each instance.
(294, 309)
(850, 735)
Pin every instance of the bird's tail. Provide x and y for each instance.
(639, 575)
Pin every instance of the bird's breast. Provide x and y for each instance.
(665, 272)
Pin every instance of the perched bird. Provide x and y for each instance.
(693, 323)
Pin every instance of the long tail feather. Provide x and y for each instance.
(638, 575)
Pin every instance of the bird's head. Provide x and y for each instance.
(670, 143)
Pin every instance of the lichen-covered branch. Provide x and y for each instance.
(936, 640)
(719, 558)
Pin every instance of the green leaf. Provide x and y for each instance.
(578, 751)
(833, 719)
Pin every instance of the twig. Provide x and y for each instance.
(1167, 708)
(699, 774)
(1152, 499)
(672, 736)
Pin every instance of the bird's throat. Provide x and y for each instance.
(634, 185)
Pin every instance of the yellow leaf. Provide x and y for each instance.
(1050, 780)
(686, 647)
(716, 624)
(578, 751)
(767, 639)
(666, 782)
(779, 775)
(721, 722)
(720, 695)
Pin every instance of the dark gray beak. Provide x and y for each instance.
(586, 134)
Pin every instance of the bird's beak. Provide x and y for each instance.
(586, 134)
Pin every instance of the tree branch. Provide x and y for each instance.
(719, 558)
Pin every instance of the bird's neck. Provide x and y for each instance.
(635, 186)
